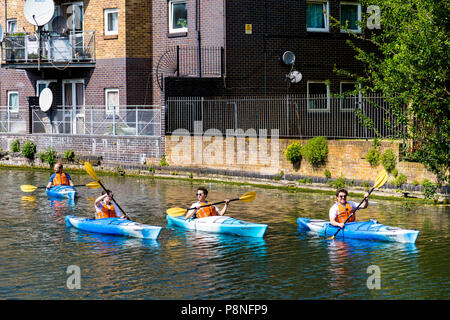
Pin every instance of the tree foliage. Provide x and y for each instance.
(410, 67)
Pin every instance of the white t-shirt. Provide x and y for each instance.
(100, 206)
(335, 208)
(199, 203)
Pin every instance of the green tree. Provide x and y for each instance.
(410, 67)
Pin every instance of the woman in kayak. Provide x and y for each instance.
(207, 211)
(342, 209)
(105, 208)
(59, 177)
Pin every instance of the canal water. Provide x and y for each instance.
(39, 253)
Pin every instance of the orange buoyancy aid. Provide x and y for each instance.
(344, 213)
(208, 211)
(107, 211)
(60, 179)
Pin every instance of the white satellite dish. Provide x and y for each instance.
(288, 58)
(1, 33)
(294, 76)
(39, 12)
(45, 99)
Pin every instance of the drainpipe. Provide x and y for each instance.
(197, 28)
(6, 17)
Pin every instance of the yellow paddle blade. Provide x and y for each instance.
(249, 196)
(93, 185)
(27, 188)
(28, 198)
(381, 179)
(176, 212)
(90, 170)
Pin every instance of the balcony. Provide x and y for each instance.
(73, 49)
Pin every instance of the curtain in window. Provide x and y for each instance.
(112, 100)
(13, 102)
(113, 23)
(314, 15)
(349, 13)
(179, 15)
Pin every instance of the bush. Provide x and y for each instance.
(337, 183)
(293, 152)
(373, 156)
(315, 151)
(49, 156)
(15, 146)
(388, 160)
(29, 150)
(163, 162)
(69, 155)
(327, 173)
(429, 188)
(401, 179)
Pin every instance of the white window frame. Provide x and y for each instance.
(46, 82)
(326, 6)
(359, 17)
(8, 25)
(171, 29)
(107, 12)
(16, 109)
(312, 110)
(341, 99)
(109, 110)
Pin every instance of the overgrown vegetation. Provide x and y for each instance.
(69, 155)
(293, 152)
(315, 151)
(388, 160)
(29, 150)
(48, 156)
(15, 146)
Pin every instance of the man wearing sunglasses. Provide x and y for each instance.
(343, 209)
(207, 211)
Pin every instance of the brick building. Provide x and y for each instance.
(253, 36)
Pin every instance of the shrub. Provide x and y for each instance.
(163, 162)
(429, 188)
(337, 183)
(49, 156)
(293, 152)
(373, 156)
(29, 150)
(327, 173)
(69, 155)
(15, 146)
(388, 160)
(315, 151)
(401, 179)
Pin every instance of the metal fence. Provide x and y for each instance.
(13, 120)
(293, 115)
(98, 120)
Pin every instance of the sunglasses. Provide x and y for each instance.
(343, 197)
(199, 194)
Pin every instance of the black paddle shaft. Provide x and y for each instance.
(212, 204)
(126, 215)
(357, 208)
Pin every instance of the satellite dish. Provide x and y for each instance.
(294, 76)
(59, 24)
(39, 12)
(45, 99)
(288, 58)
(1, 33)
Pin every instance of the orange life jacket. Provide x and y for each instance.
(344, 213)
(206, 211)
(108, 211)
(60, 179)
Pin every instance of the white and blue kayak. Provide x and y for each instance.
(367, 230)
(114, 226)
(62, 191)
(220, 224)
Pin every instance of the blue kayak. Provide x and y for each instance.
(220, 224)
(62, 191)
(114, 226)
(366, 230)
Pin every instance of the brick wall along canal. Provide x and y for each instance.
(40, 256)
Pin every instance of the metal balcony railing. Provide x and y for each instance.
(22, 49)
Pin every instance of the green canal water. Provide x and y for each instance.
(38, 251)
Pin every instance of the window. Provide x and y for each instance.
(178, 16)
(350, 15)
(41, 85)
(111, 22)
(317, 16)
(13, 101)
(318, 93)
(349, 102)
(11, 26)
(111, 100)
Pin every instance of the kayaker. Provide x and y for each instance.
(105, 208)
(59, 177)
(208, 211)
(342, 209)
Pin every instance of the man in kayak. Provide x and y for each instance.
(207, 211)
(342, 209)
(105, 208)
(59, 177)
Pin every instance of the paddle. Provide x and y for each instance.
(90, 170)
(381, 180)
(31, 188)
(177, 212)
